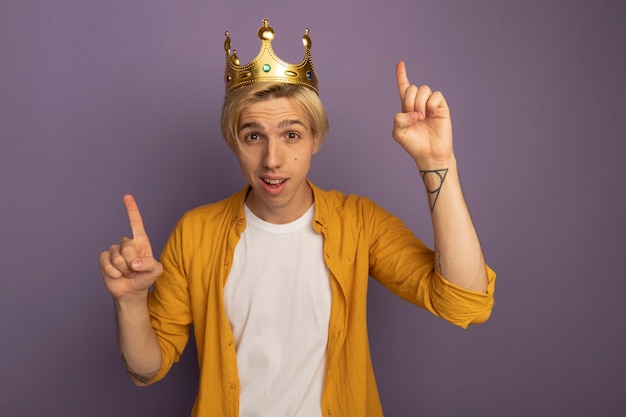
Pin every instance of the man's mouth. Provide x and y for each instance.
(270, 181)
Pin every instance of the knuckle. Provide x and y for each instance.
(127, 247)
(111, 271)
(103, 259)
(118, 261)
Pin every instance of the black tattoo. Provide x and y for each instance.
(438, 260)
(433, 180)
(141, 378)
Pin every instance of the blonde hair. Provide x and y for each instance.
(305, 99)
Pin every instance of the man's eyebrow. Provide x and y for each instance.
(290, 122)
(251, 125)
(282, 124)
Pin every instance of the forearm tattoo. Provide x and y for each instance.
(433, 180)
(438, 260)
(140, 378)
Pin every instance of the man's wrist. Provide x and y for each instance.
(436, 174)
(431, 164)
(131, 301)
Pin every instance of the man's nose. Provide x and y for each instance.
(273, 154)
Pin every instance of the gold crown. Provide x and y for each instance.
(267, 66)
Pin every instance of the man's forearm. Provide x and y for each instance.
(458, 255)
(139, 346)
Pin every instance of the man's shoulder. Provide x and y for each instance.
(336, 198)
(340, 203)
(230, 207)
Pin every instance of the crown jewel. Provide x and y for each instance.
(267, 66)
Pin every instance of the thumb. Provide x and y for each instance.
(137, 265)
(147, 264)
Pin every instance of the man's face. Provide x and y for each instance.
(275, 147)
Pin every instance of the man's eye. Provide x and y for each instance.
(252, 136)
(293, 135)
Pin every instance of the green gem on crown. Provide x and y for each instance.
(266, 68)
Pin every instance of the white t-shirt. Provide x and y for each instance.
(277, 299)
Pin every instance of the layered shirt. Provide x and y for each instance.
(361, 240)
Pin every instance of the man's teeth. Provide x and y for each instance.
(273, 182)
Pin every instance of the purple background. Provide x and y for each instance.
(100, 98)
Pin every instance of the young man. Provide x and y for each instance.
(275, 277)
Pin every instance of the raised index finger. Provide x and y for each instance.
(134, 217)
(403, 80)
